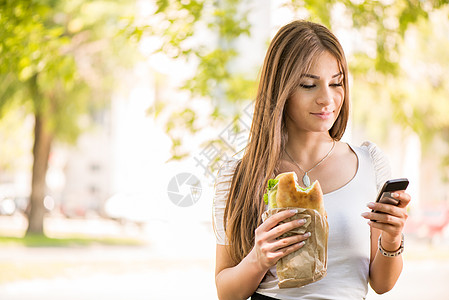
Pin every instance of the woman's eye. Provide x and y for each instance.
(307, 86)
(337, 84)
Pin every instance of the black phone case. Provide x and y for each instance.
(388, 199)
(391, 186)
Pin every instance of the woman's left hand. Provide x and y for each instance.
(391, 219)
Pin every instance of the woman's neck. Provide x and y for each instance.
(308, 148)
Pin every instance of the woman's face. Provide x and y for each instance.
(316, 102)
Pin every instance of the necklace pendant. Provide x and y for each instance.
(306, 180)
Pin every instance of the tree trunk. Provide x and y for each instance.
(41, 153)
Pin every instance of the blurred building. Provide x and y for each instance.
(109, 170)
(87, 174)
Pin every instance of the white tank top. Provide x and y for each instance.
(349, 234)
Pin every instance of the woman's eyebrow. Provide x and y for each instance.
(318, 77)
(338, 74)
(311, 76)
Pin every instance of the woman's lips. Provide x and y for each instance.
(323, 115)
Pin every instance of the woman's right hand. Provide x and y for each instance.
(268, 249)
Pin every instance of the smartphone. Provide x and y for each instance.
(390, 186)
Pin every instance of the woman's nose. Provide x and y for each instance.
(324, 96)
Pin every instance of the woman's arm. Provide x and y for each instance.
(236, 282)
(242, 280)
(384, 271)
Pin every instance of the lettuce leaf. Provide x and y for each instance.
(271, 184)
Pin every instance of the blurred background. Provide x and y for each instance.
(115, 116)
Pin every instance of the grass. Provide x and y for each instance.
(45, 241)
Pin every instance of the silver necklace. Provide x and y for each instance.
(305, 178)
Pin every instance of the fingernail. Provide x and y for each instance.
(394, 195)
(370, 205)
(308, 234)
(301, 221)
(302, 243)
(293, 211)
(365, 214)
(369, 223)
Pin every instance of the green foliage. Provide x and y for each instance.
(415, 97)
(384, 90)
(239, 88)
(389, 20)
(230, 20)
(180, 121)
(55, 51)
(320, 10)
(211, 72)
(214, 78)
(58, 58)
(185, 117)
(15, 138)
(401, 81)
(177, 24)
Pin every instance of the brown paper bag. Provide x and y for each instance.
(309, 263)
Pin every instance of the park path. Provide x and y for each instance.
(169, 268)
(119, 273)
(107, 272)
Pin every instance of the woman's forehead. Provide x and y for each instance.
(324, 63)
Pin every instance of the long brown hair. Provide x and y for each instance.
(290, 54)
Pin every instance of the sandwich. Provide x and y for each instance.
(309, 263)
(284, 191)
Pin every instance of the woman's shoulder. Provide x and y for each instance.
(228, 166)
(379, 161)
(226, 171)
(222, 187)
(374, 151)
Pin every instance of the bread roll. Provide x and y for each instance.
(290, 194)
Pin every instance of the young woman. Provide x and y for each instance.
(300, 115)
